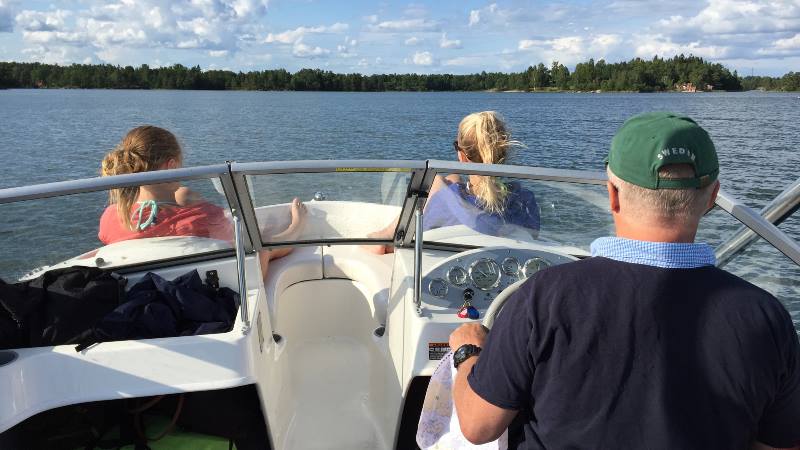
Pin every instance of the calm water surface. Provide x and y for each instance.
(52, 135)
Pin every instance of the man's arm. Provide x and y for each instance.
(481, 421)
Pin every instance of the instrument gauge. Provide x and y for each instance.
(438, 288)
(485, 274)
(533, 265)
(510, 266)
(457, 275)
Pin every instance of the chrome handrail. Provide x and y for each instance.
(752, 220)
(516, 171)
(418, 259)
(79, 186)
(241, 273)
(776, 211)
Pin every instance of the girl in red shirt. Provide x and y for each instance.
(166, 209)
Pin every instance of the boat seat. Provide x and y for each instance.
(303, 264)
(352, 262)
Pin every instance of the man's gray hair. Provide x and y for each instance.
(670, 204)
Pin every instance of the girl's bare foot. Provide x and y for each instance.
(298, 210)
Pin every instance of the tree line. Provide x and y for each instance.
(639, 75)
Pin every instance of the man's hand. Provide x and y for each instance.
(469, 333)
(480, 421)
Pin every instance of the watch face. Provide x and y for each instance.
(464, 352)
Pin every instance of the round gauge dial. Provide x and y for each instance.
(485, 274)
(510, 266)
(457, 275)
(532, 266)
(438, 288)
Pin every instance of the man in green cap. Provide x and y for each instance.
(647, 344)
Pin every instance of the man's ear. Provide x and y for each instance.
(172, 164)
(712, 200)
(613, 197)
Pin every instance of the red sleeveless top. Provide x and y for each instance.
(201, 219)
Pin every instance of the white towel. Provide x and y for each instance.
(438, 423)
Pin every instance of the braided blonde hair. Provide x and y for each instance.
(484, 138)
(143, 149)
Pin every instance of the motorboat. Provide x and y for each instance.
(336, 343)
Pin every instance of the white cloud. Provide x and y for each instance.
(371, 19)
(405, 25)
(53, 55)
(464, 61)
(302, 50)
(347, 49)
(494, 16)
(737, 17)
(42, 20)
(474, 17)
(782, 47)
(572, 49)
(218, 53)
(649, 46)
(105, 28)
(413, 40)
(449, 43)
(792, 43)
(422, 59)
(292, 36)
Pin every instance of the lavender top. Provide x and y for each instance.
(456, 206)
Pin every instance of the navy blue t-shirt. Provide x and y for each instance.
(607, 354)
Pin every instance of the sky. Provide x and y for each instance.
(445, 36)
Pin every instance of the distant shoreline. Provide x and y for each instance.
(487, 91)
(679, 73)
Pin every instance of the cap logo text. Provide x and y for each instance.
(675, 151)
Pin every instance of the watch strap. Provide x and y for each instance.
(463, 353)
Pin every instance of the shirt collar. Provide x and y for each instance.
(669, 255)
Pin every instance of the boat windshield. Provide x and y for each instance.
(467, 208)
(77, 223)
(346, 204)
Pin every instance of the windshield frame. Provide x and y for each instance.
(99, 184)
(232, 176)
(240, 172)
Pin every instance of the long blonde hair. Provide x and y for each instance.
(484, 138)
(143, 149)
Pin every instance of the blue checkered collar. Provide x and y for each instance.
(669, 255)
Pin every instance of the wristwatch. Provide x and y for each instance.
(463, 353)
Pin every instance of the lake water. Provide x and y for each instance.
(52, 135)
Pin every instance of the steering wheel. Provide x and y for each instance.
(497, 304)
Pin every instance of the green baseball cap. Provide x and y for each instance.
(649, 141)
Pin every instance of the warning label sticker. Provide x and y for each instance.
(437, 350)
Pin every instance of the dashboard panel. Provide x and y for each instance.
(482, 274)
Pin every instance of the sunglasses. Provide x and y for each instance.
(456, 147)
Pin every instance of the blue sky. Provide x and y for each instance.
(444, 36)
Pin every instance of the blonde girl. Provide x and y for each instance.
(482, 203)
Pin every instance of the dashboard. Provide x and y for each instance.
(480, 274)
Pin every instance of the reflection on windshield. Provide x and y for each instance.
(193, 216)
(341, 205)
(558, 213)
(84, 229)
(455, 203)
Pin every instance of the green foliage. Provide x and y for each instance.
(788, 82)
(637, 74)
